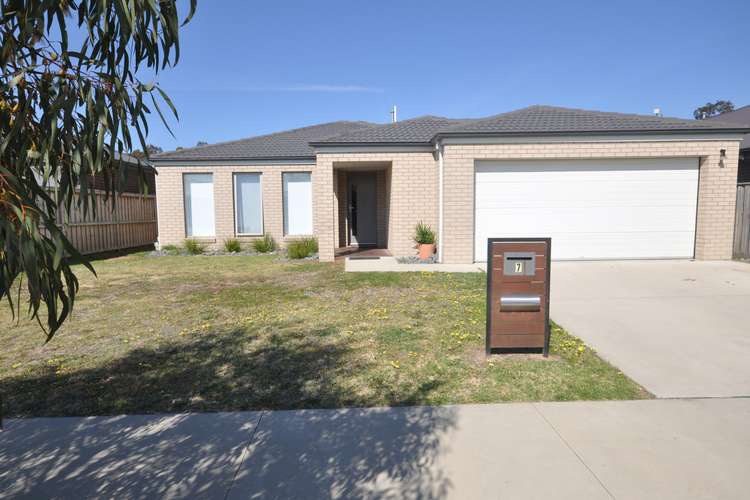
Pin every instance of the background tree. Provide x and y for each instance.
(65, 111)
(201, 143)
(713, 109)
(150, 150)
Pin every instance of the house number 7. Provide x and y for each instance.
(519, 267)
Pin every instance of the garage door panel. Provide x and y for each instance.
(591, 208)
(620, 246)
(658, 166)
(603, 200)
(667, 193)
(582, 219)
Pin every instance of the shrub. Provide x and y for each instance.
(299, 249)
(171, 249)
(232, 245)
(193, 247)
(423, 234)
(265, 244)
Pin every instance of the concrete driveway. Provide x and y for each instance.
(679, 328)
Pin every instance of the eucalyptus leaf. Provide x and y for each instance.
(64, 114)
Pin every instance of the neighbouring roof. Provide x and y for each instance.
(132, 160)
(740, 116)
(293, 144)
(534, 120)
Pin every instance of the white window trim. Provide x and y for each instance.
(284, 205)
(184, 206)
(262, 209)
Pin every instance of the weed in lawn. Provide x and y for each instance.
(361, 280)
(567, 345)
(400, 340)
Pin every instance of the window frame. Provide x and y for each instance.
(185, 175)
(284, 206)
(234, 203)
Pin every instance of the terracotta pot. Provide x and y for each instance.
(426, 250)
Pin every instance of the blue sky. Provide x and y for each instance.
(250, 68)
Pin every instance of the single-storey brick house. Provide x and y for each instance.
(602, 185)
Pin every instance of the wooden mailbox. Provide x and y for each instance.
(518, 277)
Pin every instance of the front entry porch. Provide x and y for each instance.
(362, 200)
(361, 252)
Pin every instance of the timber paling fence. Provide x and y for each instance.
(741, 248)
(132, 223)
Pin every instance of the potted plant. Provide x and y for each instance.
(424, 237)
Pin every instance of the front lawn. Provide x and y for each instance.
(166, 334)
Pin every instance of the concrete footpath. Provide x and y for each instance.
(682, 448)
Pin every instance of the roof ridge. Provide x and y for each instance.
(422, 117)
(611, 113)
(262, 136)
(505, 113)
(545, 113)
(384, 125)
(408, 120)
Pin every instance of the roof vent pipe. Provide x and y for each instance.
(657, 111)
(394, 114)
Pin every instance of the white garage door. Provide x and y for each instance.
(592, 209)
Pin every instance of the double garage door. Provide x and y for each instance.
(592, 209)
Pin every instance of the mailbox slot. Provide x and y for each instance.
(519, 264)
(520, 303)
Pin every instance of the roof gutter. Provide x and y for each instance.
(287, 160)
(737, 130)
(365, 144)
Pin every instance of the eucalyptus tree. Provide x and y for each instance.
(77, 90)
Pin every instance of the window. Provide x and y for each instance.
(248, 204)
(199, 204)
(297, 203)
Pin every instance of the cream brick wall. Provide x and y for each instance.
(412, 197)
(171, 208)
(716, 192)
(342, 222)
(382, 192)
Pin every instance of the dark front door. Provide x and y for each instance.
(362, 208)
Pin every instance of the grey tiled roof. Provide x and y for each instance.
(739, 116)
(287, 144)
(298, 143)
(549, 119)
(412, 131)
(531, 120)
